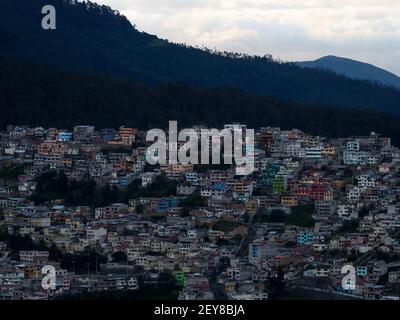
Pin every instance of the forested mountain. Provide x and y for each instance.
(94, 38)
(353, 69)
(41, 95)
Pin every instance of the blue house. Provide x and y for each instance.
(164, 204)
(64, 136)
(123, 181)
(305, 238)
(361, 271)
(218, 186)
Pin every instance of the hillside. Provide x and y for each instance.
(93, 38)
(44, 96)
(354, 69)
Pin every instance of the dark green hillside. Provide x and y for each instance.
(90, 37)
(40, 95)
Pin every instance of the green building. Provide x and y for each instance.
(278, 184)
(179, 278)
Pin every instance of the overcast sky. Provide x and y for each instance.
(296, 30)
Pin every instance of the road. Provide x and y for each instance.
(252, 228)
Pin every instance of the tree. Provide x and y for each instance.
(276, 216)
(119, 256)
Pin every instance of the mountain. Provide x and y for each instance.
(94, 38)
(353, 69)
(38, 95)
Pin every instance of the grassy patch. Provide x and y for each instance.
(11, 172)
(301, 216)
(226, 226)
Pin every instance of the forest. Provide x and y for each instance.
(96, 39)
(37, 95)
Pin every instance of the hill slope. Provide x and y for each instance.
(354, 69)
(43, 96)
(95, 38)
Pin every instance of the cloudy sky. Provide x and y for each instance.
(366, 30)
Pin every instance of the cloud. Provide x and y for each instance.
(368, 30)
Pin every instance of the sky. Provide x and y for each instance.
(291, 30)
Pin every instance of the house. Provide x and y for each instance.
(394, 276)
(148, 178)
(305, 238)
(40, 257)
(93, 234)
(185, 190)
(325, 207)
(354, 194)
(347, 211)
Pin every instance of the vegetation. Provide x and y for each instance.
(95, 38)
(223, 242)
(146, 292)
(54, 185)
(72, 262)
(301, 216)
(119, 256)
(348, 226)
(18, 243)
(110, 103)
(193, 201)
(226, 226)
(363, 212)
(164, 289)
(161, 187)
(87, 261)
(11, 172)
(275, 216)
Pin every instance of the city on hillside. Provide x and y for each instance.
(87, 203)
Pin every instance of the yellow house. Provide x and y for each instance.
(251, 206)
(31, 272)
(181, 167)
(230, 286)
(338, 184)
(328, 151)
(328, 196)
(289, 201)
